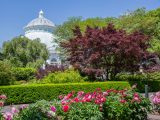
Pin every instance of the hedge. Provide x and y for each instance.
(18, 94)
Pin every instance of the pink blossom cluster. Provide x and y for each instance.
(2, 99)
(156, 98)
(14, 111)
(98, 97)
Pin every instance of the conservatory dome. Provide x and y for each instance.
(40, 21)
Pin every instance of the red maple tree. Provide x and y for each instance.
(106, 51)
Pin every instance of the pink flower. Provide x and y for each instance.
(123, 101)
(60, 97)
(63, 102)
(53, 108)
(8, 116)
(1, 103)
(14, 110)
(103, 99)
(105, 93)
(136, 95)
(136, 99)
(23, 107)
(3, 97)
(76, 99)
(156, 100)
(69, 95)
(65, 108)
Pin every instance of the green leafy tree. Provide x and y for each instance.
(22, 52)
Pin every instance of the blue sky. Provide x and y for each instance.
(15, 14)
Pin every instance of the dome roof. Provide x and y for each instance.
(40, 21)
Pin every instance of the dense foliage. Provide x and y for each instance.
(25, 74)
(6, 74)
(41, 110)
(68, 76)
(126, 105)
(22, 52)
(106, 51)
(36, 92)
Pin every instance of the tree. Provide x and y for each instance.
(64, 32)
(106, 51)
(22, 52)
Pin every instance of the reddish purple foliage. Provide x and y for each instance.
(106, 51)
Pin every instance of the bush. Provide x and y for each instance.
(84, 111)
(23, 73)
(154, 76)
(126, 106)
(68, 76)
(37, 111)
(18, 94)
(6, 75)
(130, 77)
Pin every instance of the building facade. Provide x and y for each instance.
(43, 28)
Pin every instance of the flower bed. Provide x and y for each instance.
(98, 105)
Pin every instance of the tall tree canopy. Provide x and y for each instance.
(22, 52)
(106, 50)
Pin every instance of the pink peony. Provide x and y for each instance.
(53, 108)
(65, 108)
(60, 97)
(156, 100)
(1, 103)
(3, 97)
(123, 101)
(14, 110)
(8, 116)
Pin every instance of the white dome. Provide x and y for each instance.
(40, 21)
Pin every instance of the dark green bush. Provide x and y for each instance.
(68, 76)
(23, 73)
(6, 75)
(153, 86)
(31, 93)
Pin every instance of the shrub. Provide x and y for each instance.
(18, 94)
(130, 77)
(40, 110)
(6, 75)
(23, 73)
(126, 105)
(68, 76)
(154, 76)
(84, 111)
(41, 73)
